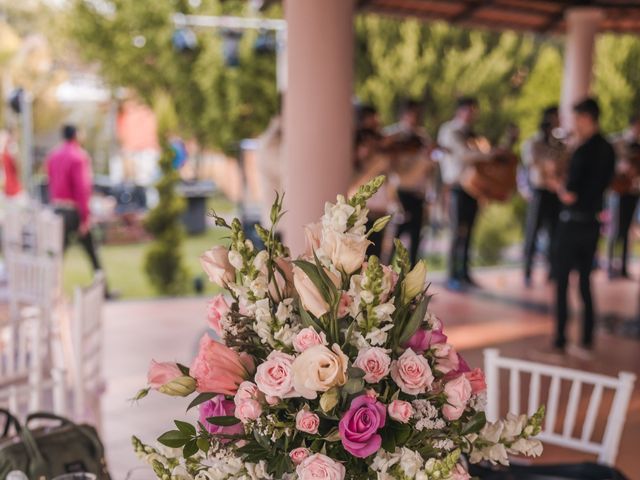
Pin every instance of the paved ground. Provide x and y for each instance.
(502, 314)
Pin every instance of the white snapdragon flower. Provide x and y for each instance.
(526, 446)
(513, 426)
(284, 310)
(259, 286)
(492, 431)
(235, 259)
(260, 260)
(258, 471)
(180, 473)
(286, 334)
(336, 216)
(384, 311)
(378, 336)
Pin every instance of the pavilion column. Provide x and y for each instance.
(318, 115)
(583, 24)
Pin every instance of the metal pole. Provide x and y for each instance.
(26, 120)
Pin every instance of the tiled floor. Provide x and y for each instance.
(503, 314)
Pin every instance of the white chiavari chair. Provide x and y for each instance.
(87, 341)
(563, 391)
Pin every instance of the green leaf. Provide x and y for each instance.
(353, 386)
(355, 372)
(415, 321)
(184, 369)
(389, 442)
(327, 281)
(223, 421)
(190, 448)
(203, 444)
(475, 424)
(401, 431)
(314, 275)
(173, 439)
(185, 428)
(307, 320)
(201, 398)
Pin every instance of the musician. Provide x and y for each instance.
(542, 155)
(625, 192)
(410, 146)
(591, 169)
(455, 138)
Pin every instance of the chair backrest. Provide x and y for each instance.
(33, 280)
(22, 398)
(32, 228)
(21, 346)
(581, 385)
(87, 341)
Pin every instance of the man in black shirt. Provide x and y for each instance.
(590, 172)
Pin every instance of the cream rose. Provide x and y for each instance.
(313, 238)
(317, 369)
(412, 373)
(375, 362)
(312, 300)
(215, 263)
(346, 250)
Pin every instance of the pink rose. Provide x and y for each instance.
(459, 473)
(217, 309)
(274, 377)
(248, 391)
(308, 337)
(297, 455)
(219, 369)
(447, 359)
(346, 250)
(307, 421)
(215, 263)
(344, 305)
(360, 424)
(219, 407)
(400, 411)
(247, 410)
(412, 373)
(458, 393)
(476, 379)
(375, 362)
(161, 373)
(320, 467)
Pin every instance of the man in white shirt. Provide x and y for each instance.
(455, 138)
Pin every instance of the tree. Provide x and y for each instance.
(164, 262)
(133, 42)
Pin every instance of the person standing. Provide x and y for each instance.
(543, 156)
(70, 185)
(12, 185)
(590, 171)
(625, 194)
(409, 145)
(455, 138)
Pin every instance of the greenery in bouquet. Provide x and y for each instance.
(329, 366)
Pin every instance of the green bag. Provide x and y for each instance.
(46, 452)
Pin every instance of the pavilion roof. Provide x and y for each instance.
(526, 15)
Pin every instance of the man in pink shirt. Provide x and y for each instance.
(70, 185)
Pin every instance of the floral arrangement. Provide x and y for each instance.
(329, 366)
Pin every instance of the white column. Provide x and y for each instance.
(583, 24)
(317, 110)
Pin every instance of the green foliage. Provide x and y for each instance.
(164, 262)
(496, 228)
(216, 104)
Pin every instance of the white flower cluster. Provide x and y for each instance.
(426, 415)
(277, 330)
(226, 466)
(504, 437)
(406, 464)
(336, 217)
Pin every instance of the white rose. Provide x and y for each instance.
(346, 250)
(317, 369)
(215, 263)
